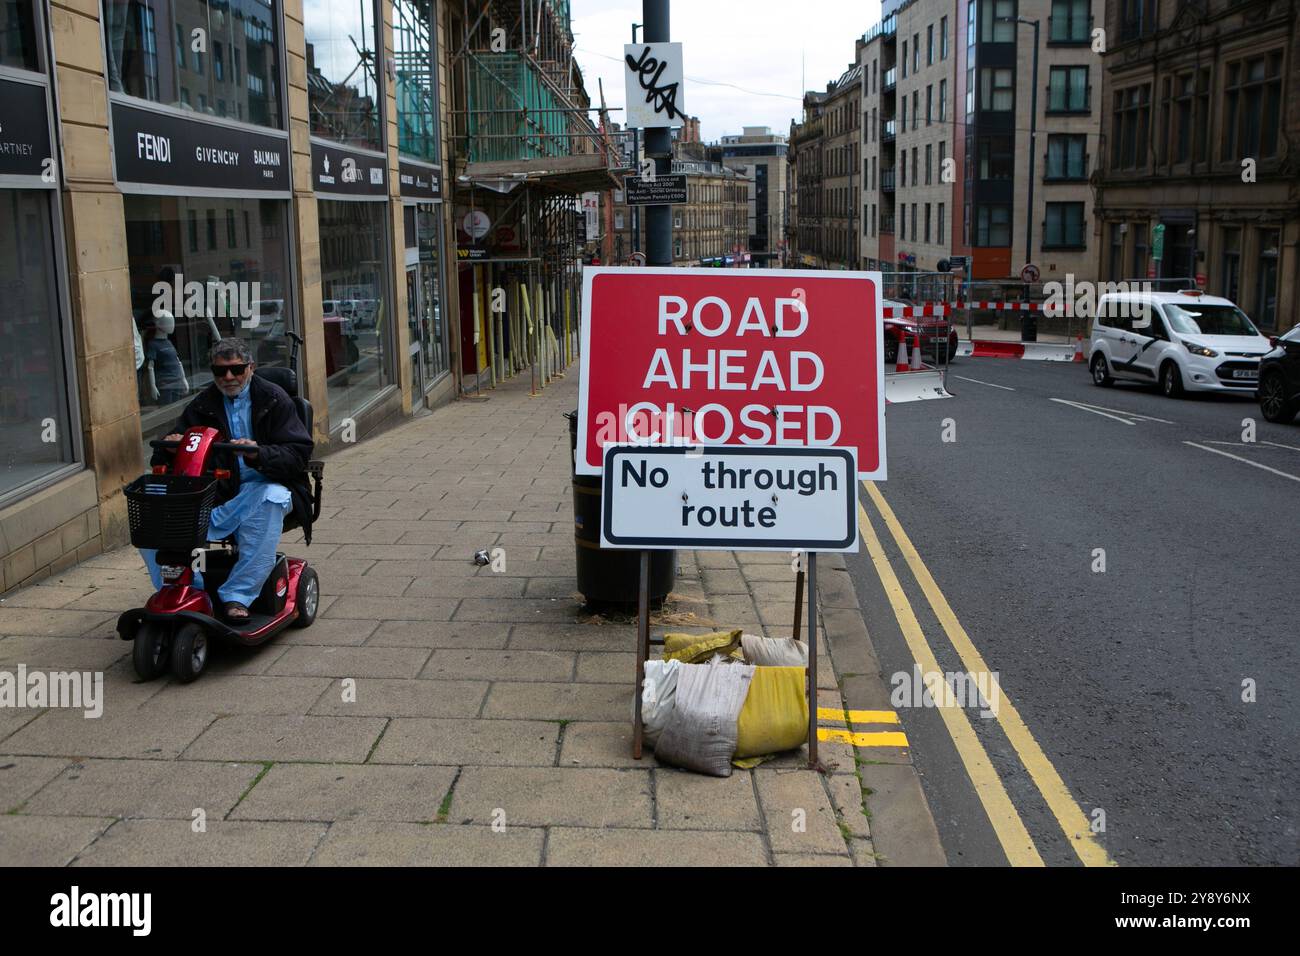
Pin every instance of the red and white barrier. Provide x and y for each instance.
(929, 310)
(902, 387)
(996, 348)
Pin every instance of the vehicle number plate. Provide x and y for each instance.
(1245, 373)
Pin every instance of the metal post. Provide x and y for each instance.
(658, 144)
(642, 649)
(813, 762)
(1033, 148)
(798, 599)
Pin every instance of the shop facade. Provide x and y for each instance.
(216, 167)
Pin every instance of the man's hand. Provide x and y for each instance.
(251, 456)
(174, 436)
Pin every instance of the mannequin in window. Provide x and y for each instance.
(166, 375)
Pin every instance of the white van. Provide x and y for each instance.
(1179, 340)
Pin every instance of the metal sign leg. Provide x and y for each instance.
(813, 762)
(642, 649)
(798, 600)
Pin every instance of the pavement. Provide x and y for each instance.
(1125, 563)
(439, 712)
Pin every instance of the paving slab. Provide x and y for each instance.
(47, 841)
(902, 830)
(559, 701)
(439, 634)
(602, 744)
(691, 801)
(354, 662)
(387, 697)
(243, 694)
(552, 796)
(500, 665)
(450, 742)
(144, 788)
(344, 792)
(145, 732)
(799, 814)
(223, 843)
(653, 848)
(362, 843)
(22, 775)
(267, 737)
(61, 653)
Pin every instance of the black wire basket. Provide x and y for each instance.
(170, 512)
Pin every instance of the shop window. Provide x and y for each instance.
(342, 85)
(142, 64)
(183, 301)
(354, 264)
(18, 35)
(993, 225)
(35, 427)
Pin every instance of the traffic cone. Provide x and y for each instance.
(902, 354)
(1078, 349)
(915, 364)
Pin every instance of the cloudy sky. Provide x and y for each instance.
(744, 62)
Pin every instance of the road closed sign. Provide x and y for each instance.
(748, 358)
(755, 499)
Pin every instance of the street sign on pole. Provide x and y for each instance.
(662, 190)
(735, 357)
(1030, 273)
(750, 499)
(1158, 241)
(652, 73)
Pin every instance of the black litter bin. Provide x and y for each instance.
(1028, 326)
(609, 576)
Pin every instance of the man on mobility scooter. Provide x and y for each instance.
(244, 490)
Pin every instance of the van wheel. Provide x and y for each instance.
(189, 652)
(1100, 373)
(1171, 381)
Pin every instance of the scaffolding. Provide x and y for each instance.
(525, 150)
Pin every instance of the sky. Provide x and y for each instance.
(760, 46)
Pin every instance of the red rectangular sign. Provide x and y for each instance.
(749, 357)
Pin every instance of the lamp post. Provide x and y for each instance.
(635, 211)
(1028, 327)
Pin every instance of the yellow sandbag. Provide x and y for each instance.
(700, 648)
(775, 715)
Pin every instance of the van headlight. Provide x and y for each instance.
(1200, 350)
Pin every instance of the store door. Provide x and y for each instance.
(418, 331)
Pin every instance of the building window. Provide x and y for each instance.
(916, 108)
(902, 104)
(33, 379)
(916, 177)
(929, 45)
(929, 104)
(993, 27)
(1266, 278)
(1067, 156)
(245, 36)
(939, 236)
(414, 37)
(997, 159)
(928, 151)
(212, 229)
(970, 23)
(1069, 21)
(1064, 226)
(993, 225)
(1131, 126)
(251, 282)
(916, 52)
(18, 35)
(914, 205)
(1067, 89)
(904, 58)
(342, 88)
(970, 88)
(943, 147)
(231, 238)
(1140, 234)
(1230, 285)
(927, 223)
(902, 220)
(943, 101)
(943, 38)
(997, 89)
(1116, 251)
(1251, 107)
(1137, 18)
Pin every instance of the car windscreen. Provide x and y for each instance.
(1209, 319)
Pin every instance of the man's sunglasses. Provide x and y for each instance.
(221, 371)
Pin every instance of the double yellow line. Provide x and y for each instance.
(1007, 824)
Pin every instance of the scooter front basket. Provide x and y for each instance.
(170, 512)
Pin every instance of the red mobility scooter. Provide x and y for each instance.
(169, 510)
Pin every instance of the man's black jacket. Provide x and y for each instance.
(284, 445)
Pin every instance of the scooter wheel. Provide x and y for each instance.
(150, 652)
(308, 599)
(189, 652)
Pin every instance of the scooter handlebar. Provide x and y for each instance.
(216, 446)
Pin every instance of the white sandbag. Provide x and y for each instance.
(701, 731)
(658, 697)
(774, 651)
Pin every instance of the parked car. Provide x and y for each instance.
(938, 337)
(1279, 379)
(1182, 341)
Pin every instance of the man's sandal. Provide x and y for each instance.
(236, 611)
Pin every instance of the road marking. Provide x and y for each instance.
(1102, 410)
(1005, 388)
(1084, 408)
(890, 738)
(1077, 828)
(1253, 464)
(857, 716)
(1277, 445)
(1010, 830)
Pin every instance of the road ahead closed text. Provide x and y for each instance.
(743, 358)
